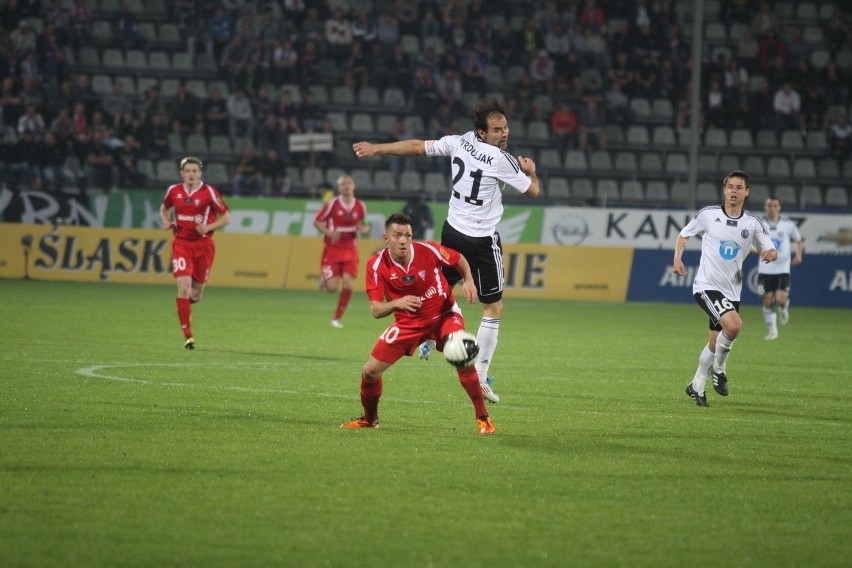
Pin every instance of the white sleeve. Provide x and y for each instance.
(442, 147)
(509, 172)
(694, 227)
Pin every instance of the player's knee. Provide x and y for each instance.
(370, 374)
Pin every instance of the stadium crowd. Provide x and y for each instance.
(586, 59)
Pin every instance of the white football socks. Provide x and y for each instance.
(486, 338)
(770, 318)
(723, 350)
(705, 363)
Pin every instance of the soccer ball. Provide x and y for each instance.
(461, 349)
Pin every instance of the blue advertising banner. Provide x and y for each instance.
(822, 280)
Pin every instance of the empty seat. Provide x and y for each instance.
(812, 196)
(221, 144)
(638, 135)
(680, 193)
(766, 139)
(410, 181)
(136, 59)
(114, 59)
(778, 166)
(384, 181)
(435, 184)
(102, 32)
(182, 62)
(754, 166)
(549, 158)
(607, 191)
(662, 109)
(626, 162)
(538, 130)
(707, 193)
(656, 191)
(217, 173)
(792, 140)
(708, 164)
(342, 95)
(715, 32)
(197, 87)
(89, 57)
(362, 123)
(338, 121)
(806, 12)
(369, 96)
(741, 138)
(575, 160)
(836, 196)
(813, 35)
(729, 163)
(716, 138)
(410, 44)
(557, 187)
(677, 163)
(197, 144)
(758, 194)
(101, 84)
(816, 140)
(631, 190)
(804, 168)
(641, 108)
(828, 168)
(385, 123)
(159, 61)
(600, 160)
(615, 134)
(415, 123)
(583, 188)
(664, 136)
(167, 171)
(786, 193)
(650, 162)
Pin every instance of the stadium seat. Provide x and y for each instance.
(813, 35)
(113, 59)
(715, 32)
(792, 140)
(342, 95)
(819, 58)
(136, 60)
(416, 124)
(626, 162)
(778, 166)
(615, 134)
(182, 63)
(410, 181)
(220, 145)
(549, 158)
(741, 138)
(320, 93)
(729, 163)
(677, 163)
(557, 187)
(338, 120)
(804, 168)
(816, 140)
(537, 130)
(101, 84)
(167, 171)
(146, 167)
(664, 136)
(410, 44)
(575, 160)
(90, 57)
(766, 139)
(638, 135)
(368, 96)
(707, 193)
(197, 87)
(656, 191)
(836, 196)
(217, 174)
(331, 175)
(631, 191)
(607, 190)
(811, 196)
(600, 160)
(583, 188)
(754, 166)
(168, 34)
(680, 193)
(102, 32)
(435, 185)
(393, 98)
(662, 109)
(828, 168)
(806, 13)
(385, 122)
(384, 182)
(159, 62)
(708, 163)
(759, 193)
(494, 77)
(651, 162)
(196, 144)
(362, 123)
(716, 138)
(641, 108)
(786, 193)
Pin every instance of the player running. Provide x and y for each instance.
(340, 221)
(196, 207)
(406, 279)
(482, 169)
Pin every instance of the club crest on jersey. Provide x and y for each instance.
(422, 274)
(408, 279)
(744, 233)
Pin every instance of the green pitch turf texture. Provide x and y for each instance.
(120, 448)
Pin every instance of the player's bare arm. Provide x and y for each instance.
(800, 250)
(677, 265)
(217, 224)
(323, 228)
(411, 147)
(363, 228)
(383, 309)
(468, 286)
(166, 219)
(528, 167)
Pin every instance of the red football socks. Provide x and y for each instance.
(470, 381)
(184, 316)
(342, 302)
(371, 391)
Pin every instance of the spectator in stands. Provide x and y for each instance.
(786, 103)
(563, 126)
(473, 64)
(128, 163)
(592, 127)
(522, 100)
(248, 173)
(801, 74)
(365, 30)
(735, 75)
(482, 36)
(234, 58)
(424, 94)
(23, 39)
(592, 17)
(126, 29)
(401, 130)
(285, 59)
(764, 115)
(507, 49)
(715, 106)
(541, 70)
(33, 122)
(20, 161)
(450, 91)
(82, 133)
(338, 35)
(309, 64)
(51, 159)
(11, 105)
(285, 108)
(215, 111)
(814, 110)
(773, 51)
(220, 30)
(63, 128)
(155, 139)
(407, 13)
(101, 167)
(835, 82)
(420, 214)
(241, 120)
(153, 102)
(311, 115)
(355, 66)
(838, 31)
(741, 111)
(646, 78)
(274, 174)
(618, 106)
(764, 20)
(185, 110)
(270, 133)
(116, 103)
(530, 41)
(454, 13)
(840, 137)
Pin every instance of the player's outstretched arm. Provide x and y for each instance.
(411, 147)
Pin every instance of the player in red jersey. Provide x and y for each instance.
(198, 211)
(341, 220)
(406, 280)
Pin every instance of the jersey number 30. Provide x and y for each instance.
(474, 190)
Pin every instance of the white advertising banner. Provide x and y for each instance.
(658, 228)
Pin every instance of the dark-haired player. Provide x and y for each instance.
(198, 211)
(481, 168)
(406, 279)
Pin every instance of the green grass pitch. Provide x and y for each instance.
(120, 448)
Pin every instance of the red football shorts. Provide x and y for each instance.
(338, 261)
(193, 258)
(397, 341)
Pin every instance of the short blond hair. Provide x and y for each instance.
(191, 160)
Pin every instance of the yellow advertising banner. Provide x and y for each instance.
(143, 256)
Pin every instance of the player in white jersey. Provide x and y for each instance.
(481, 171)
(729, 234)
(773, 279)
